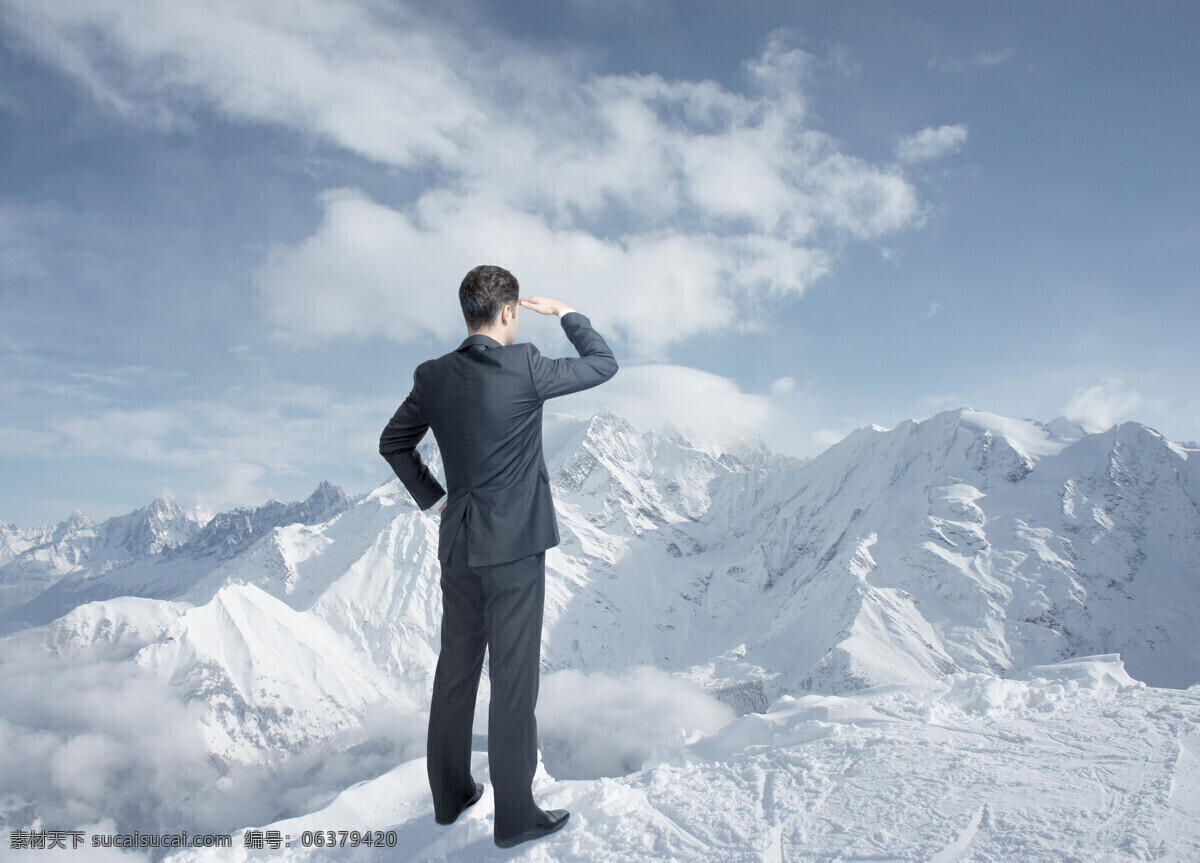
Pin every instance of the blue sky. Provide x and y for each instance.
(228, 232)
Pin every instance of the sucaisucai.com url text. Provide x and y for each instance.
(47, 840)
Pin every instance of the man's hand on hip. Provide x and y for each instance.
(543, 305)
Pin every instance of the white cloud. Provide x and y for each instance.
(237, 450)
(650, 197)
(992, 58)
(90, 737)
(782, 386)
(981, 59)
(594, 725)
(278, 440)
(326, 67)
(370, 270)
(234, 484)
(114, 745)
(1099, 407)
(707, 409)
(116, 732)
(931, 143)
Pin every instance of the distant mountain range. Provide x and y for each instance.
(966, 542)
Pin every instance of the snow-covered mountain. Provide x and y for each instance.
(155, 552)
(35, 559)
(966, 544)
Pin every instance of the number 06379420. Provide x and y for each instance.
(352, 838)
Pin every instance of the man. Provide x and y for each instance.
(484, 404)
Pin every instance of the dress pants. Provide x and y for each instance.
(499, 608)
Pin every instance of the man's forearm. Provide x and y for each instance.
(398, 444)
(416, 477)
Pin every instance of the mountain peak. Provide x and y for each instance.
(165, 502)
(608, 421)
(161, 524)
(76, 523)
(327, 489)
(326, 501)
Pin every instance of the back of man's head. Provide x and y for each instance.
(484, 291)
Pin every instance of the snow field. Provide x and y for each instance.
(1076, 763)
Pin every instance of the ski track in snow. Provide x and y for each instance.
(1055, 770)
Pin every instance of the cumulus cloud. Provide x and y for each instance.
(645, 195)
(931, 143)
(593, 724)
(104, 736)
(370, 270)
(89, 737)
(1099, 407)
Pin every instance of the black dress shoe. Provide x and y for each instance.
(557, 818)
(474, 799)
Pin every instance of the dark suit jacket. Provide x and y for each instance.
(484, 404)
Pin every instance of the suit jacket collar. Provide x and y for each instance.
(479, 339)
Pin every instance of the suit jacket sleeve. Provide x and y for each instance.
(594, 365)
(398, 445)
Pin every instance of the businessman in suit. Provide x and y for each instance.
(483, 402)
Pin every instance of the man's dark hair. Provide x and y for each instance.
(484, 291)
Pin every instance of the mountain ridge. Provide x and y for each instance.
(899, 551)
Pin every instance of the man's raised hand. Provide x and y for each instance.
(542, 305)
